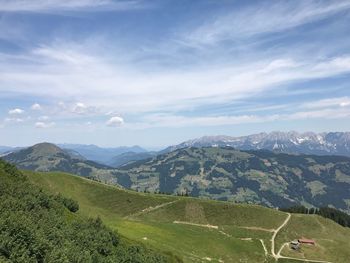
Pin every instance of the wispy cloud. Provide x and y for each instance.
(120, 87)
(44, 125)
(326, 112)
(267, 17)
(66, 5)
(204, 72)
(13, 120)
(331, 102)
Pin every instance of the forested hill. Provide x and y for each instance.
(261, 177)
(222, 173)
(36, 227)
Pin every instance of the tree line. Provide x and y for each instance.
(327, 212)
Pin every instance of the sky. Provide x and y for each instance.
(156, 73)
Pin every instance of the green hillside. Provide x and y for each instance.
(40, 227)
(199, 230)
(258, 177)
(49, 157)
(255, 177)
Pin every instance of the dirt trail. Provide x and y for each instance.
(194, 224)
(306, 260)
(264, 247)
(275, 232)
(150, 209)
(258, 228)
(279, 251)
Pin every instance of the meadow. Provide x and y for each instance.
(200, 230)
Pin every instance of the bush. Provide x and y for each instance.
(69, 203)
(36, 227)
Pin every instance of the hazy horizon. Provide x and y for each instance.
(161, 147)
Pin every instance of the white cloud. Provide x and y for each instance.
(74, 109)
(66, 5)
(122, 88)
(43, 118)
(16, 111)
(263, 18)
(328, 113)
(182, 121)
(115, 121)
(331, 102)
(44, 125)
(67, 56)
(79, 108)
(206, 121)
(36, 106)
(14, 120)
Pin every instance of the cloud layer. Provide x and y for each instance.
(105, 63)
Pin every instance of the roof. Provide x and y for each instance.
(303, 240)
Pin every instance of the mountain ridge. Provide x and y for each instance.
(326, 143)
(49, 157)
(223, 173)
(252, 176)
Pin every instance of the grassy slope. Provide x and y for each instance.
(193, 243)
(332, 240)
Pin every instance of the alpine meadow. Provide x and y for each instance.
(174, 131)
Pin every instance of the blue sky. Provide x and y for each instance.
(154, 73)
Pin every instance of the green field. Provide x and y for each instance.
(200, 230)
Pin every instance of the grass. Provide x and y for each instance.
(217, 213)
(120, 210)
(332, 240)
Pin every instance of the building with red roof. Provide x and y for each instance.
(306, 241)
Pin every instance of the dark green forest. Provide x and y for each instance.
(37, 227)
(336, 215)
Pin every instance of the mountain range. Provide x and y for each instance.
(328, 143)
(331, 143)
(223, 173)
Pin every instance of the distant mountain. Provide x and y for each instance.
(4, 149)
(49, 157)
(128, 157)
(8, 149)
(331, 143)
(261, 177)
(99, 154)
(223, 173)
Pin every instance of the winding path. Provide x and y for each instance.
(264, 247)
(275, 232)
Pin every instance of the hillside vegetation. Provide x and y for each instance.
(39, 227)
(256, 177)
(259, 177)
(201, 230)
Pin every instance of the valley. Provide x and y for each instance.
(220, 173)
(202, 230)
